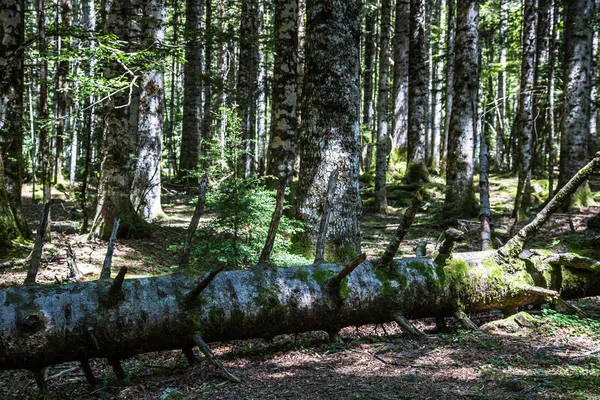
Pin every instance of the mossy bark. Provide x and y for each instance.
(45, 325)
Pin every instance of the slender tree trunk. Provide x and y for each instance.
(285, 92)
(382, 109)
(189, 155)
(170, 133)
(437, 85)
(450, 33)
(416, 170)
(593, 137)
(330, 127)
(146, 185)
(207, 137)
(12, 31)
(89, 22)
(246, 87)
(43, 114)
(369, 60)
(501, 123)
(576, 102)
(550, 123)
(525, 117)
(461, 135)
(261, 103)
(401, 62)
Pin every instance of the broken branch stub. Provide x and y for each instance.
(36, 253)
(105, 273)
(405, 224)
(198, 211)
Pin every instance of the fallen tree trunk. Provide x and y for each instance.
(41, 325)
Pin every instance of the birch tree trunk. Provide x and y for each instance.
(330, 128)
(525, 117)
(576, 90)
(146, 185)
(462, 130)
(501, 123)
(189, 155)
(437, 85)
(416, 170)
(284, 119)
(382, 109)
(12, 21)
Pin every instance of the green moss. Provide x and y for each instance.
(303, 248)
(321, 275)
(389, 291)
(302, 275)
(344, 289)
(582, 197)
(416, 173)
(216, 315)
(368, 178)
(268, 299)
(13, 298)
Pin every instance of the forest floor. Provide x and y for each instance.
(554, 357)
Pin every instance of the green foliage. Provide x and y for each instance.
(242, 210)
(552, 320)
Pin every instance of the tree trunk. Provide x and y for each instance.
(11, 110)
(146, 185)
(284, 120)
(189, 155)
(401, 62)
(525, 117)
(45, 325)
(416, 170)
(61, 87)
(382, 109)
(246, 87)
(461, 135)
(368, 72)
(119, 142)
(206, 135)
(437, 85)
(501, 123)
(449, 81)
(576, 114)
(329, 137)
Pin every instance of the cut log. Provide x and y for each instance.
(42, 325)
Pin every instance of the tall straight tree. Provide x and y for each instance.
(461, 134)
(416, 170)
(280, 156)
(525, 118)
(43, 103)
(247, 80)
(329, 133)
(368, 72)
(61, 87)
(11, 120)
(189, 155)
(119, 141)
(501, 86)
(401, 62)
(206, 134)
(437, 86)
(146, 186)
(576, 90)
(382, 109)
(450, 34)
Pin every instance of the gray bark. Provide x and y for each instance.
(368, 72)
(45, 325)
(146, 185)
(501, 122)
(284, 119)
(119, 141)
(462, 130)
(246, 84)
(382, 109)
(189, 155)
(401, 62)
(576, 90)
(593, 137)
(449, 81)
(525, 116)
(12, 21)
(437, 86)
(417, 94)
(550, 123)
(329, 136)
(206, 135)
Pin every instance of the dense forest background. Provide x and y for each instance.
(120, 101)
